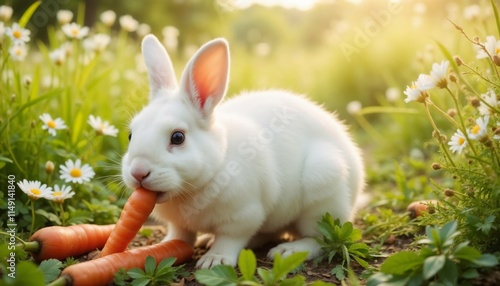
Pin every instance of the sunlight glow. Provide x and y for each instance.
(298, 4)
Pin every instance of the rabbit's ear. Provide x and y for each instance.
(206, 75)
(160, 70)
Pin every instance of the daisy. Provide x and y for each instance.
(97, 43)
(5, 13)
(52, 124)
(128, 23)
(492, 47)
(34, 189)
(102, 127)
(18, 34)
(392, 94)
(108, 17)
(58, 56)
(438, 74)
(491, 100)
(478, 131)
(457, 142)
(75, 31)
(60, 194)
(418, 89)
(354, 107)
(64, 16)
(18, 51)
(76, 173)
(143, 29)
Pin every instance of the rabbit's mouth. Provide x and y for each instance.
(163, 197)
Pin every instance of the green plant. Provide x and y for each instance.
(224, 275)
(162, 274)
(441, 261)
(342, 239)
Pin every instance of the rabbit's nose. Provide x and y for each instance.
(140, 174)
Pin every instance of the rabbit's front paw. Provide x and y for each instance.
(210, 260)
(308, 245)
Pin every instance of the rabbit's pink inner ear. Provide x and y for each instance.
(209, 75)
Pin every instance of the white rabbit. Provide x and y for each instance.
(245, 169)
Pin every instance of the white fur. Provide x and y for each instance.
(253, 166)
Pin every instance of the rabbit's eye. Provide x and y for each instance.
(129, 136)
(177, 138)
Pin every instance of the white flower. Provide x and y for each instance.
(5, 13)
(128, 23)
(51, 125)
(392, 94)
(491, 99)
(143, 29)
(102, 127)
(34, 189)
(354, 107)
(170, 37)
(418, 89)
(76, 173)
(478, 131)
(58, 56)
(491, 45)
(438, 74)
(457, 142)
(18, 34)
(108, 17)
(97, 43)
(64, 16)
(472, 12)
(75, 31)
(18, 51)
(60, 194)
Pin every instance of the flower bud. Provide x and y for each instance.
(49, 167)
(452, 77)
(475, 102)
(452, 112)
(459, 61)
(449, 193)
(496, 60)
(436, 166)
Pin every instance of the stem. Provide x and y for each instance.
(64, 280)
(445, 150)
(62, 214)
(23, 243)
(32, 216)
(368, 127)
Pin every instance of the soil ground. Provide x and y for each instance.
(311, 271)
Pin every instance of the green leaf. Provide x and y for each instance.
(143, 281)
(361, 261)
(486, 260)
(326, 230)
(497, 17)
(346, 231)
(448, 230)
(467, 253)
(470, 273)
(136, 273)
(247, 263)
(28, 13)
(449, 273)
(266, 276)
(220, 275)
(150, 265)
(401, 262)
(282, 266)
(50, 216)
(433, 265)
(51, 269)
(294, 281)
(27, 273)
(339, 272)
(165, 267)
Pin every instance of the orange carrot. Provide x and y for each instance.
(101, 271)
(60, 242)
(134, 214)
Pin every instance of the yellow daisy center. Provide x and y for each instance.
(75, 32)
(57, 194)
(497, 51)
(461, 141)
(476, 129)
(51, 124)
(17, 34)
(18, 52)
(75, 173)
(35, 191)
